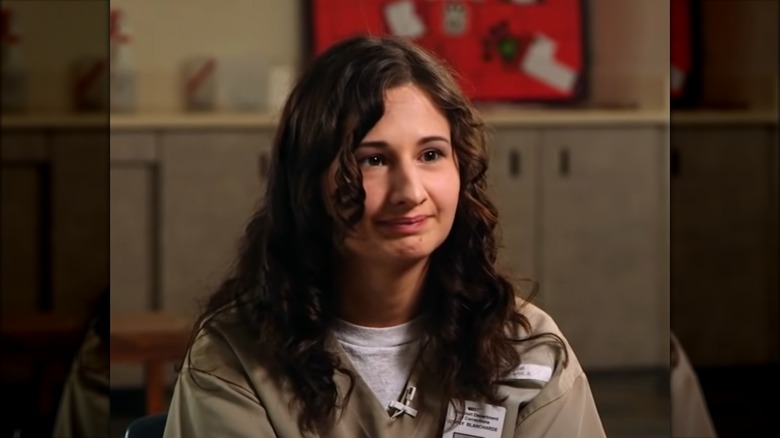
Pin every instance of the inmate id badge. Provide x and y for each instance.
(479, 420)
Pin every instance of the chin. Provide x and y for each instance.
(407, 249)
(408, 256)
(416, 251)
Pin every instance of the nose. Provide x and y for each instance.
(406, 188)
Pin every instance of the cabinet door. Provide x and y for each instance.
(134, 234)
(211, 185)
(25, 221)
(80, 212)
(512, 181)
(723, 188)
(134, 222)
(601, 225)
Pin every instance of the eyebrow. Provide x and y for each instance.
(384, 145)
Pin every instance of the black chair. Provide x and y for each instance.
(150, 426)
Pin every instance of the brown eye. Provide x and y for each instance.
(372, 161)
(431, 155)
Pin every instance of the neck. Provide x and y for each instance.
(380, 295)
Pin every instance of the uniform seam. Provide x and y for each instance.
(245, 392)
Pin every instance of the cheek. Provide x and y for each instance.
(446, 192)
(375, 196)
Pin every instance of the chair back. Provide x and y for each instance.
(150, 426)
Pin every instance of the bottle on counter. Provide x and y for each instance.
(122, 72)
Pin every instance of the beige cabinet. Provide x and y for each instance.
(134, 232)
(600, 255)
(211, 184)
(582, 213)
(724, 253)
(134, 221)
(80, 212)
(179, 203)
(25, 202)
(512, 182)
(55, 207)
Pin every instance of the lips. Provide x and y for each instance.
(407, 220)
(404, 226)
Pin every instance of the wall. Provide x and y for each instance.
(168, 31)
(630, 52)
(739, 53)
(629, 39)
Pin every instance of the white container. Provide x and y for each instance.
(123, 74)
(122, 79)
(242, 83)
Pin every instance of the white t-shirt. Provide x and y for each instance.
(383, 357)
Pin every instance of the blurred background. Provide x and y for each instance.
(724, 202)
(54, 175)
(579, 95)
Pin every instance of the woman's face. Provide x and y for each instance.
(410, 178)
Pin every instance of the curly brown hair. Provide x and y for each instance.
(283, 287)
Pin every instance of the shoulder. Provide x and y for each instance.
(540, 321)
(220, 350)
(545, 353)
(553, 364)
(542, 331)
(562, 404)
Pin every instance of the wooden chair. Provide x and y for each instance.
(150, 426)
(38, 347)
(153, 339)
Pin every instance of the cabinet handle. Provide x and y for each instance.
(564, 162)
(674, 162)
(262, 164)
(515, 163)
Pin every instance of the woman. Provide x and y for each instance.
(365, 301)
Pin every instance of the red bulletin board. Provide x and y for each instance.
(681, 50)
(503, 50)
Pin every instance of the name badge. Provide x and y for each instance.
(479, 421)
(527, 371)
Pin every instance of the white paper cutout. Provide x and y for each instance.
(540, 63)
(403, 21)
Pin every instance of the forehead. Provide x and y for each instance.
(409, 111)
(407, 94)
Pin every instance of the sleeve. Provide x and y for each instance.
(205, 406)
(83, 409)
(572, 415)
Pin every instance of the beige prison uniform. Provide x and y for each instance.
(236, 397)
(85, 404)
